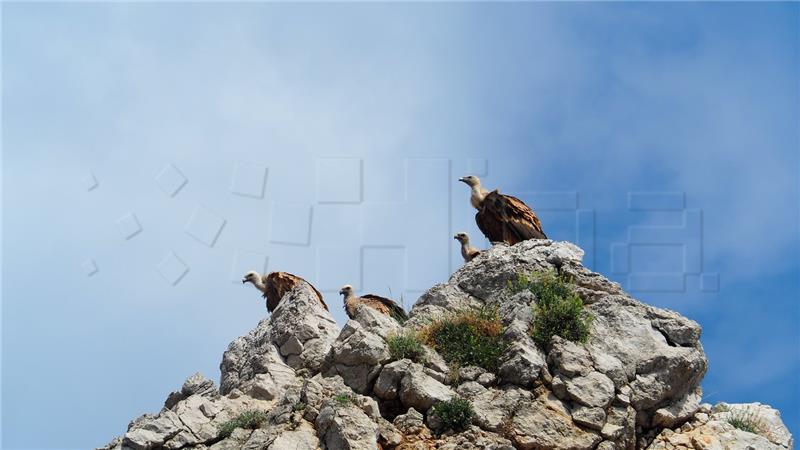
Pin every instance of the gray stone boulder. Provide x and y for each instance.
(409, 383)
(194, 421)
(304, 437)
(633, 384)
(626, 345)
(345, 426)
(420, 391)
(495, 407)
(474, 438)
(360, 349)
(546, 423)
(196, 384)
(297, 336)
(302, 329)
(592, 389)
(749, 426)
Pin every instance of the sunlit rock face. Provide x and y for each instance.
(633, 384)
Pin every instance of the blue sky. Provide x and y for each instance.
(325, 139)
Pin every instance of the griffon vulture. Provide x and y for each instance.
(275, 285)
(467, 251)
(502, 218)
(383, 305)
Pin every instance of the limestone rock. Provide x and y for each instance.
(148, 431)
(346, 427)
(716, 433)
(195, 384)
(592, 389)
(523, 364)
(590, 417)
(410, 422)
(300, 317)
(494, 408)
(546, 423)
(387, 386)
(301, 438)
(420, 391)
(568, 358)
(678, 412)
(360, 350)
(299, 327)
(633, 384)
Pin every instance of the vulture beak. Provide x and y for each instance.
(455, 237)
(463, 179)
(244, 280)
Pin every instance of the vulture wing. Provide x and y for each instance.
(279, 284)
(385, 306)
(503, 218)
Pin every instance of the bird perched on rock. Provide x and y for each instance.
(383, 305)
(467, 251)
(275, 285)
(502, 218)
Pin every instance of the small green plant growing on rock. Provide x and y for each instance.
(299, 406)
(455, 414)
(558, 309)
(468, 338)
(454, 373)
(406, 346)
(343, 399)
(250, 420)
(747, 419)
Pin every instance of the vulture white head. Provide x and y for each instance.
(256, 279)
(346, 290)
(470, 180)
(251, 277)
(478, 192)
(462, 237)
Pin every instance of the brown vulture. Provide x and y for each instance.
(502, 218)
(383, 305)
(467, 251)
(275, 285)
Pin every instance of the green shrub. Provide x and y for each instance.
(454, 373)
(404, 346)
(747, 419)
(455, 414)
(558, 309)
(250, 420)
(343, 399)
(299, 406)
(468, 338)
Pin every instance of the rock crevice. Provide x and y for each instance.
(633, 384)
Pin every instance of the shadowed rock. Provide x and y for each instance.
(633, 384)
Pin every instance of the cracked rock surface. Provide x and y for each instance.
(634, 383)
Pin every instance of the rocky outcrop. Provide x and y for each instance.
(633, 384)
(360, 350)
(298, 336)
(724, 427)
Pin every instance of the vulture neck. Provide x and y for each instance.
(478, 194)
(350, 304)
(260, 286)
(466, 249)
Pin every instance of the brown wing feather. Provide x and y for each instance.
(488, 217)
(385, 306)
(503, 218)
(280, 283)
(522, 219)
